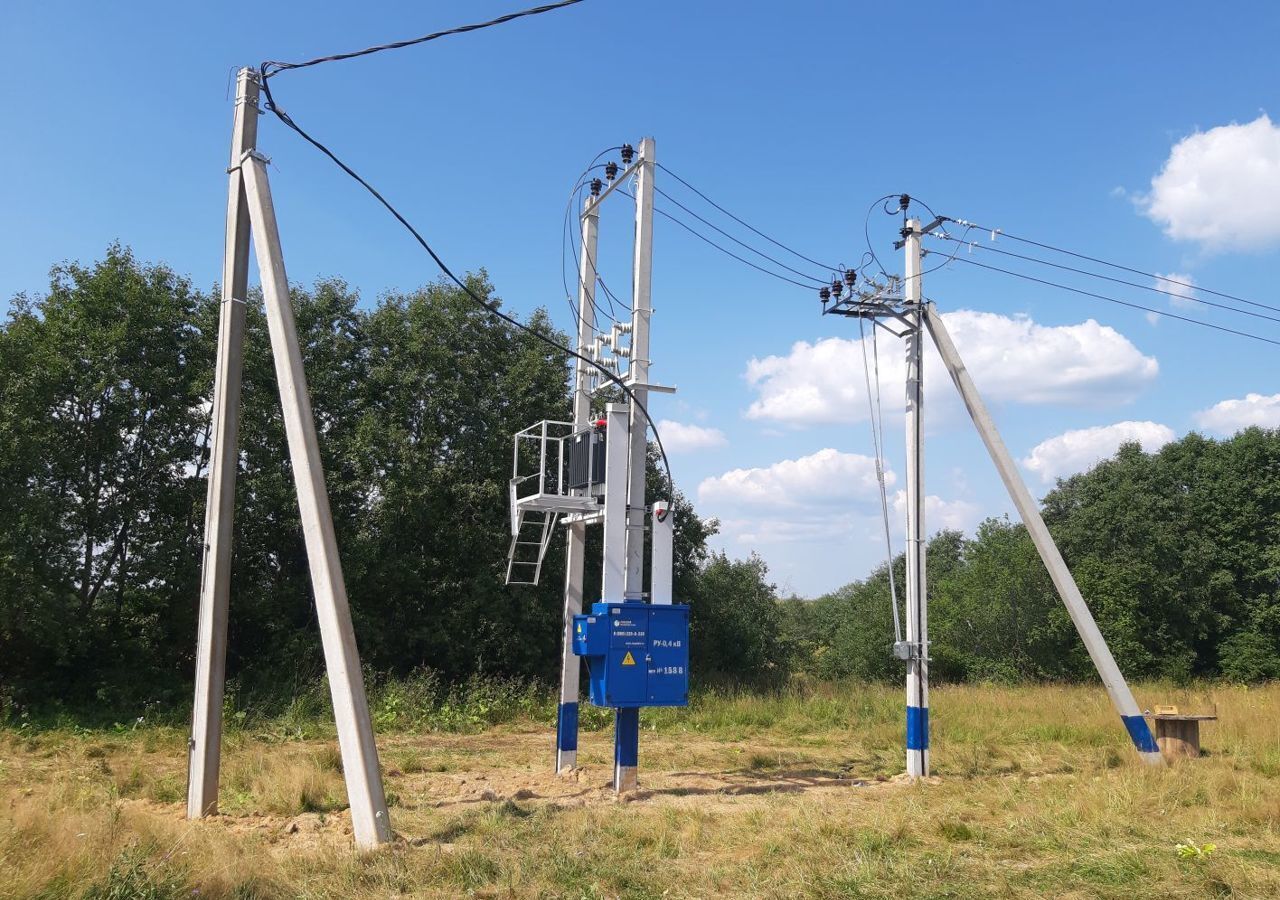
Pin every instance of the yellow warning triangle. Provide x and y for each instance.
(628, 660)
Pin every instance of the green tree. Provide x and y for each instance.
(105, 387)
(102, 389)
(735, 623)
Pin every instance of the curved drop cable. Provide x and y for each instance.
(877, 438)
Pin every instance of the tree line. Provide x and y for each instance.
(105, 394)
(105, 388)
(1177, 553)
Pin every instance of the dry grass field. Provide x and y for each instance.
(1036, 794)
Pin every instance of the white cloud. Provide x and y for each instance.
(825, 478)
(816, 499)
(1181, 287)
(1218, 188)
(751, 533)
(1012, 359)
(939, 514)
(1230, 416)
(828, 498)
(677, 437)
(1075, 451)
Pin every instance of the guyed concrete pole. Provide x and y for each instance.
(360, 768)
(576, 540)
(205, 744)
(1099, 652)
(917, 584)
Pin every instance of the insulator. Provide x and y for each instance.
(627, 152)
(837, 288)
(851, 277)
(606, 340)
(611, 170)
(623, 351)
(596, 185)
(622, 327)
(904, 201)
(825, 294)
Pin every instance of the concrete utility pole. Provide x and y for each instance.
(224, 456)
(626, 723)
(251, 209)
(906, 315)
(576, 539)
(638, 380)
(917, 585)
(1099, 652)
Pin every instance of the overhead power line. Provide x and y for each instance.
(1075, 290)
(744, 224)
(725, 250)
(763, 255)
(492, 309)
(569, 239)
(1113, 265)
(272, 67)
(866, 233)
(1146, 287)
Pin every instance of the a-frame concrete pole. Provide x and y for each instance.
(205, 744)
(350, 706)
(917, 583)
(576, 539)
(1099, 652)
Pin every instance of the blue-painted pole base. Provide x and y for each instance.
(1140, 733)
(917, 728)
(567, 737)
(626, 748)
(567, 727)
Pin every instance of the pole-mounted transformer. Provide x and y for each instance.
(591, 471)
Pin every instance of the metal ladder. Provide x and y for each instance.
(531, 533)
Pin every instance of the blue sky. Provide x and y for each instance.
(796, 117)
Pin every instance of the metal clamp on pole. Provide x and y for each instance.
(909, 651)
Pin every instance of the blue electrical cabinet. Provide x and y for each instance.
(637, 653)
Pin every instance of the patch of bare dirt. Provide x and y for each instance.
(515, 767)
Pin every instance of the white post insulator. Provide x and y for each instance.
(622, 327)
(622, 351)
